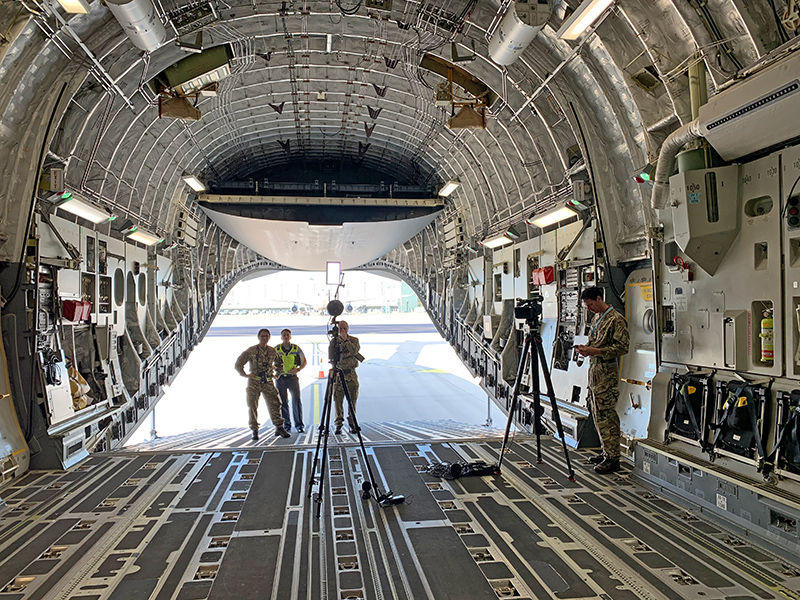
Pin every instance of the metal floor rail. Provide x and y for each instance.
(236, 524)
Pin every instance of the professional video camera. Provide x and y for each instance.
(336, 308)
(529, 309)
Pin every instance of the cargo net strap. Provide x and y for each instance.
(738, 429)
(687, 395)
(788, 443)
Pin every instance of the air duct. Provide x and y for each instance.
(140, 22)
(517, 29)
(666, 160)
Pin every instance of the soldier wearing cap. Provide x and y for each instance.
(348, 361)
(264, 362)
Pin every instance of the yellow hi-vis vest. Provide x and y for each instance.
(290, 358)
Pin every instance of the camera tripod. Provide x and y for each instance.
(537, 358)
(370, 488)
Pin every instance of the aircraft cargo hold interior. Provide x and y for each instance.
(596, 202)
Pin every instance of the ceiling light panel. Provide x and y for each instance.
(583, 18)
(496, 242)
(75, 7)
(551, 217)
(84, 209)
(143, 237)
(449, 187)
(194, 183)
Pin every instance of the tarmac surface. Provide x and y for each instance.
(410, 374)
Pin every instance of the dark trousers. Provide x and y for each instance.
(290, 384)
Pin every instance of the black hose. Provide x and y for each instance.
(588, 160)
(782, 34)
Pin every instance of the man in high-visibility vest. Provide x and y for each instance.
(293, 362)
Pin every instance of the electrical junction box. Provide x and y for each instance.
(443, 96)
(196, 71)
(705, 214)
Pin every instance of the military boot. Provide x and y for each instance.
(282, 432)
(609, 465)
(597, 459)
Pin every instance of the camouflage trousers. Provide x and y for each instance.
(254, 391)
(603, 396)
(351, 379)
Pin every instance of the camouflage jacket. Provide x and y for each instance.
(262, 361)
(350, 347)
(610, 334)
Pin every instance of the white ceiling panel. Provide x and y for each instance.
(298, 245)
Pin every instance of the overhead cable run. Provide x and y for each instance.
(573, 53)
(292, 76)
(100, 73)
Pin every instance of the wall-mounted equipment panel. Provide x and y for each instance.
(733, 320)
(754, 114)
(705, 214)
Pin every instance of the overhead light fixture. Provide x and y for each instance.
(85, 210)
(194, 183)
(583, 18)
(552, 217)
(497, 241)
(141, 236)
(75, 7)
(449, 187)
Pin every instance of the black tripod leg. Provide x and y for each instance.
(357, 427)
(322, 442)
(536, 392)
(554, 406)
(321, 432)
(514, 396)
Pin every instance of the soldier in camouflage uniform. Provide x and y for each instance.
(348, 362)
(264, 362)
(608, 341)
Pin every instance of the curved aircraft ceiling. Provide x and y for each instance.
(320, 81)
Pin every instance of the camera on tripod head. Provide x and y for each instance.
(529, 309)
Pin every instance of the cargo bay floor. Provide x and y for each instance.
(235, 523)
